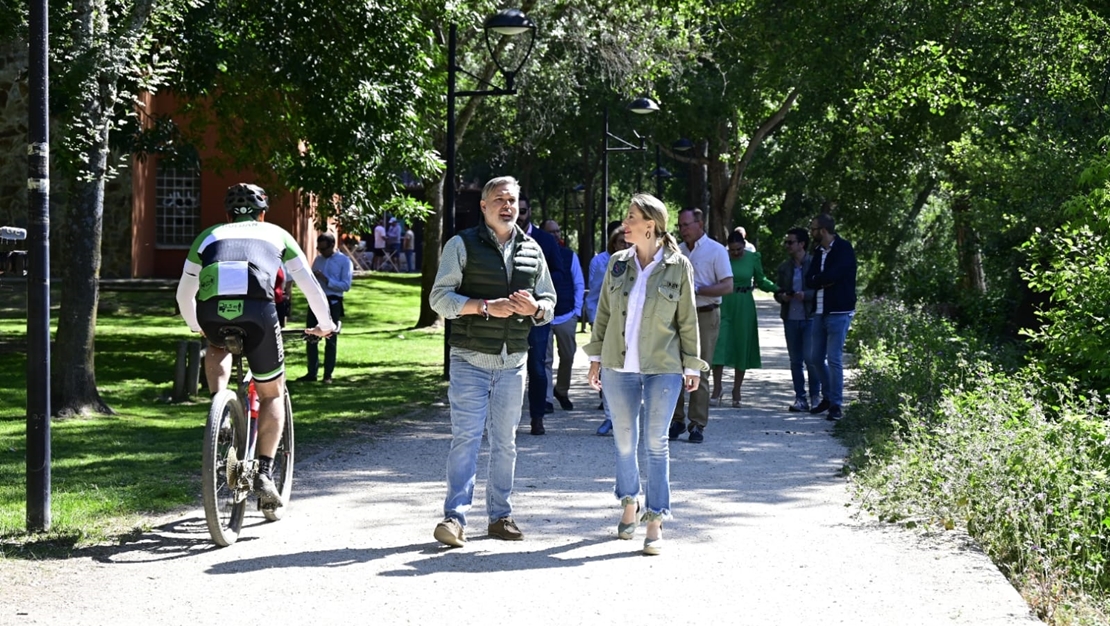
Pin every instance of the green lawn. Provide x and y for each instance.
(111, 473)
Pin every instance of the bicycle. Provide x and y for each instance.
(230, 441)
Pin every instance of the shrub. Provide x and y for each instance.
(944, 435)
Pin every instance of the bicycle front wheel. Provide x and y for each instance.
(225, 439)
(283, 464)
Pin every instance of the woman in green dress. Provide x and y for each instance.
(738, 341)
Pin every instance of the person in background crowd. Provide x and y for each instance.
(832, 273)
(712, 279)
(744, 233)
(494, 285)
(738, 341)
(393, 242)
(797, 318)
(408, 246)
(333, 272)
(643, 351)
(570, 290)
(539, 336)
(598, 265)
(379, 243)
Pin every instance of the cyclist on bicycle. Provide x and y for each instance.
(228, 280)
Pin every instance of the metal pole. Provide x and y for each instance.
(38, 275)
(449, 175)
(449, 181)
(604, 181)
(658, 175)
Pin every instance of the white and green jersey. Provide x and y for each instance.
(241, 260)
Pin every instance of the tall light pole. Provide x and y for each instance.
(660, 174)
(509, 23)
(38, 275)
(640, 106)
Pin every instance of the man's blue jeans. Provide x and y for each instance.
(801, 361)
(482, 399)
(829, 333)
(652, 397)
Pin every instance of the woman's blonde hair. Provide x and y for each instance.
(654, 209)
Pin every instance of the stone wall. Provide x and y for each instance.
(116, 247)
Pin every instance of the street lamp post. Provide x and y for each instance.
(660, 174)
(640, 106)
(509, 23)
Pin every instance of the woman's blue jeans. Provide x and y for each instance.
(801, 362)
(646, 400)
(489, 400)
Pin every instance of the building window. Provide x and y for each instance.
(177, 202)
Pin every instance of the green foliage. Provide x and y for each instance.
(1071, 266)
(114, 474)
(948, 435)
(331, 95)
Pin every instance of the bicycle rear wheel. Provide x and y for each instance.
(283, 464)
(224, 440)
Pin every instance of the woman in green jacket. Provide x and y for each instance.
(647, 297)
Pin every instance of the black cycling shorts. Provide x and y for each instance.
(259, 319)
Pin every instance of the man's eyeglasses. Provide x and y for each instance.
(789, 242)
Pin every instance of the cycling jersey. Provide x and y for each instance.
(230, 277)
(241, 260)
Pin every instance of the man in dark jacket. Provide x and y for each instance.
(833, 274)
(494, 285)
(540, 336)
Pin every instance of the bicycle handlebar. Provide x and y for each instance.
(297, 332)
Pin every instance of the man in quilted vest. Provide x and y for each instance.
(493, 283)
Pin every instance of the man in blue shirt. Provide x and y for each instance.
(333, 271)
(570, 290)
(539, 336)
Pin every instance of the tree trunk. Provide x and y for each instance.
(719, 215)
(433, 236)
(883, 283)
(726, 185)
(74, 369)
(972, 277)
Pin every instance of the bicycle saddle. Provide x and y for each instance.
(232, 338)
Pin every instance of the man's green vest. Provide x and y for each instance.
(484, 278)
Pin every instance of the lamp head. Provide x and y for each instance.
(682, 145)
(643, 106)
(509, 22)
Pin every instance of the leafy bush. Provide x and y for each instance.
(944, 435)
(1071, 265)
(1075, 330)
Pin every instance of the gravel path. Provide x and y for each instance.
(764, 533)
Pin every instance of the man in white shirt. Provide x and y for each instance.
(712, 279)
(379, 244)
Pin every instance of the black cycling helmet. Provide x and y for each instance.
(244, 199)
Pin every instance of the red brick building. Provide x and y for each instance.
(170, 206)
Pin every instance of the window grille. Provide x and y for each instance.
(177, 205)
